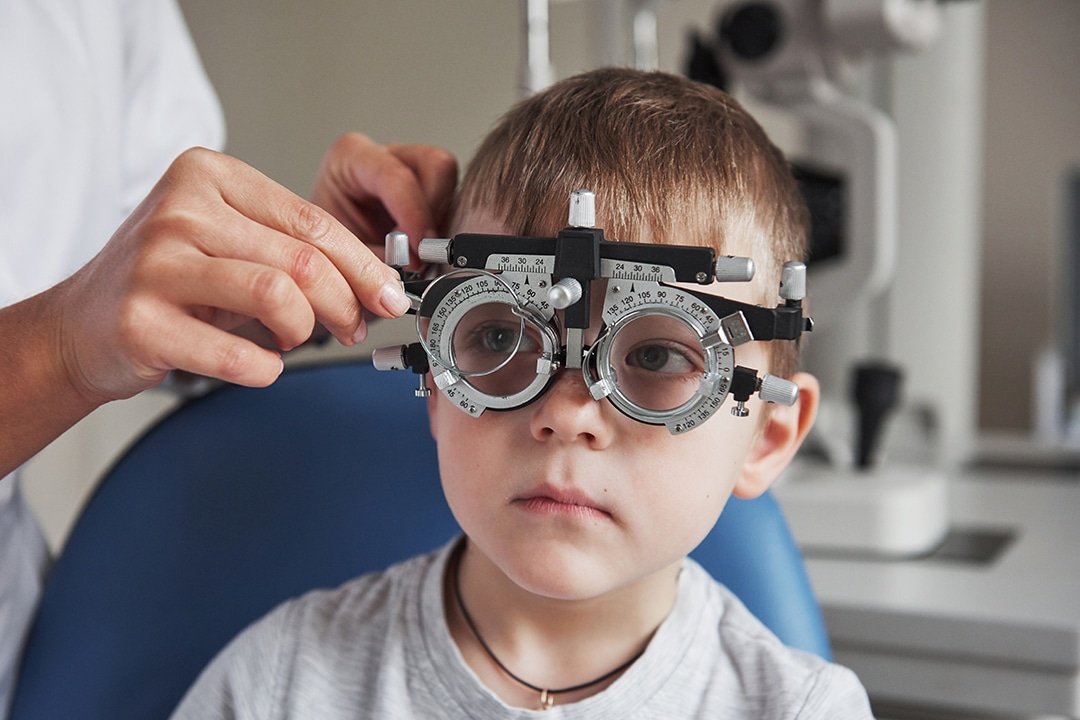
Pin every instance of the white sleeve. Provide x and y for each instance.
(170, 103)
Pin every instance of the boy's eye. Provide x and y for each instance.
(499, 339)
(659, 358)
(489, 338)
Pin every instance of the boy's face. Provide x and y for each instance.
(571, 499)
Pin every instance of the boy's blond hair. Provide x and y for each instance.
(670, 160)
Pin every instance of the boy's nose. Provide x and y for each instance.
(567, 412)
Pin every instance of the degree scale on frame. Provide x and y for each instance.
(613, 269)
(524, 264)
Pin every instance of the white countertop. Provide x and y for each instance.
(1003, 635)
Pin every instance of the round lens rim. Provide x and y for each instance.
(525, 313)
(713, 386)
(459, 311)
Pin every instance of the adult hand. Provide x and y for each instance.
(375, 189)
(214, 245)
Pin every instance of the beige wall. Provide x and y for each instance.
(293, 76)
(1032, 138)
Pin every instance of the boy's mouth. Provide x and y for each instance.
(549, 500)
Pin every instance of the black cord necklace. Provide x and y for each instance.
(547, 696)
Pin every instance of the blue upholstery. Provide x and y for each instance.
(246, 497)
(752, 551)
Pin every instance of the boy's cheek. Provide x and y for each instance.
(433, 411)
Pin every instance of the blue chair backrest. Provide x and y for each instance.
(243, 498)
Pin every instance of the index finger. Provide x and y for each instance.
(263, 201)
(436, 172)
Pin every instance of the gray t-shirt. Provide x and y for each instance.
(379, 647)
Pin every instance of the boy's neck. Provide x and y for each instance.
(546, 642)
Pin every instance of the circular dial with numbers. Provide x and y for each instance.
(488, 345)
(661, 357)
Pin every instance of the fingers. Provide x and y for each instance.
(203, 349)
(435, 171)
(216, 244)
(375, 189)
(218, 289)
(309, 244)
(263, 263)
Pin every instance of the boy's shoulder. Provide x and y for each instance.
(347, 627)
(325, 649)
(746, 638)
(356, 602)
(770, 677)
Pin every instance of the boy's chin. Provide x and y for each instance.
(575, 576)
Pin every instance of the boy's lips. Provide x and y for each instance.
(550, 500)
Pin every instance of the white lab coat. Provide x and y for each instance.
(97, 97)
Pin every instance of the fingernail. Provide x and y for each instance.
(361, 331)
(393, 299)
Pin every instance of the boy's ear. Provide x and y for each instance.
(780, 436)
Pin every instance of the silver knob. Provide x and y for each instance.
(582, 209)
(397, 250)
(793, 281)
(734, 269)
(389, 358)
(564, 293)
(778, 390)
(435, 251)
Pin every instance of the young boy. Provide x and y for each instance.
(571, 589)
